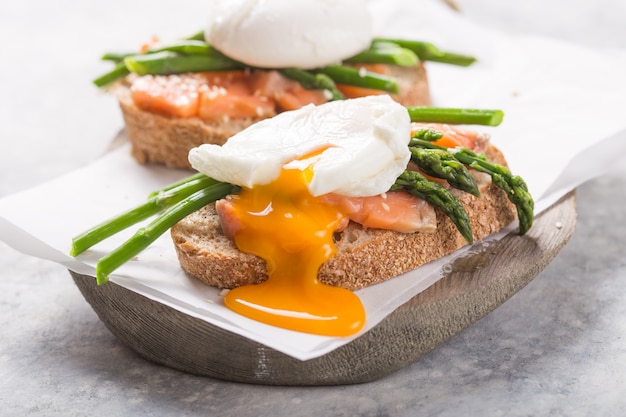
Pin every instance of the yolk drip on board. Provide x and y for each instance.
(293, 231)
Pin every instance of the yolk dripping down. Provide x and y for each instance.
(293, 231)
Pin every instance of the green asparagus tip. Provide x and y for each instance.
(198, 36)
(452, 58)
(384, 52)
(115, 56)
(426, 51)
(427, 134)
(118, 72)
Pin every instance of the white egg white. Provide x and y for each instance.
(286, 33)
(364, 140)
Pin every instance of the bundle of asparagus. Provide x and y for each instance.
(175, 201)
(193, 54)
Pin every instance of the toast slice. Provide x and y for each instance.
(364, 256)
(166, 140)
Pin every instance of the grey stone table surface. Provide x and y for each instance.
(558, 347)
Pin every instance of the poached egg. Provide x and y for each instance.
(285, 165)
(285, 33)
(362, 145)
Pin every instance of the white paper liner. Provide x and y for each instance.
(564, 125)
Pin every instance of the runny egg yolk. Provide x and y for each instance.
(293, 231)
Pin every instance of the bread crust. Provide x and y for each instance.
(158, 139)
(364, 256)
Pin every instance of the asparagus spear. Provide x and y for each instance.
(428, 52)
(387, 51)
(199, 57)
(166, 62)
(176, 184)
(427, 134)
(196, 45)
(452, 59)
(515, 187)
(187, 47)
(115, 56)
(156, 202)
(119, 71)
(342, 74)
(313, 81)
(383, 52)
(441, 164)
(455, 115)
(198, 36)
(148, 234)
(184, 56)
(191, 45)
(418, 185)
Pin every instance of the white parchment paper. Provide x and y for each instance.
(565, 123)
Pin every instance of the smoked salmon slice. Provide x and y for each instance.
(171, 95)
(224, 95)
(219, 103)
(395, 210)
(288, 94)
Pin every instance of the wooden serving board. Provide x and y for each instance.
(474, 286)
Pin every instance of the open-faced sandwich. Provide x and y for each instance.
(295, 211)
(253, 61)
